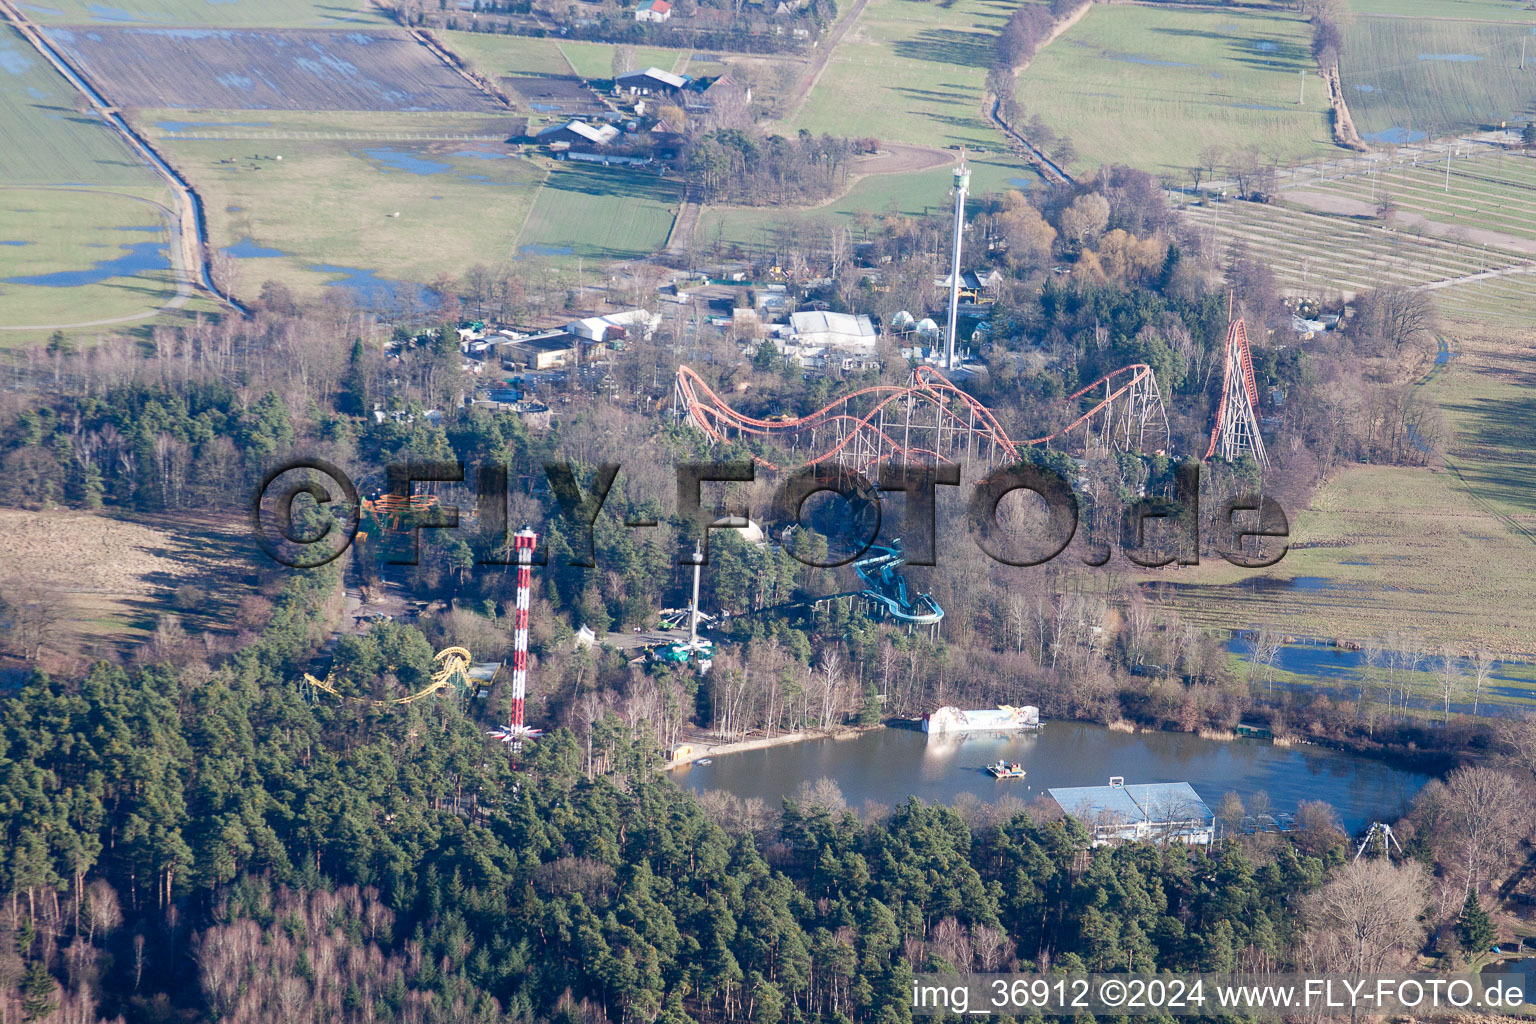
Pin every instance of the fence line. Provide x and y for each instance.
(333, 136)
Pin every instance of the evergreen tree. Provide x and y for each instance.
(1473, 928)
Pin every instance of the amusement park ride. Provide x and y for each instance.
(928, 420)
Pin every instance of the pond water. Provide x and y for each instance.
(137, 259)
(1395, 136)
(374, 292)
(888, 765)
(246, 249)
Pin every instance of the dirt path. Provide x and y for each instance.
(684, 225)
(797, 99)
(189, 237)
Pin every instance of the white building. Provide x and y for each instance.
(653, 10)
(626, 324)
(819, 338)
(1160, 811)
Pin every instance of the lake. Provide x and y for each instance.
(888, 765)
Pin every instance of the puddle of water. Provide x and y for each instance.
(1456, 58)
(106, 13)
(138, 258)
(475, 154)
(1395, 136)
(233, 209)
(1265, 46)
(1357, 561)
(1131, 58)
(377, 292)
(15, 62)
(15, 243)
(545, 250)
(181, 126)
(1365, 88)
(141, 227)
(246, 249)
(408, 162)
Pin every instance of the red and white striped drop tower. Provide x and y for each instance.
(515, 731)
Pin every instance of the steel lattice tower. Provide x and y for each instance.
(962, 185)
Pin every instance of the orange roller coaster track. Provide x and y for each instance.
(1236, 431)
(929, 420)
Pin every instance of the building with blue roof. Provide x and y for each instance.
(1158, 811)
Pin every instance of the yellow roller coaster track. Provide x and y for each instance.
(453, 664)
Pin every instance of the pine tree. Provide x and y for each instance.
(37, 992)
(1473, 927)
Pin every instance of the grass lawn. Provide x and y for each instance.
(332, 202)
(233, 13)
(1446, 554)
(52, 231)
(910, 71)
(1152, 86)
(1405, 76)
(495, 56)
(604, 213)
(911, 193)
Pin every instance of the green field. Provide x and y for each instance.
(1470, 10)
(913, 194)
(233, 13)
(50, 142)
(604, 213)
(332, 201)
(64, 231)
(910, 71)
(1446, 554)
(495, 56)
(1153, 86)
(1406, 76)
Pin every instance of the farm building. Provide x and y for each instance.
(1159, 811)
(722, 92)
(653, 10)
(651, 82)
(577, 134)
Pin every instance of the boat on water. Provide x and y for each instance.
(1006, 770)
(705, 760)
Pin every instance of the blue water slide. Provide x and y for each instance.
(888, 588)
